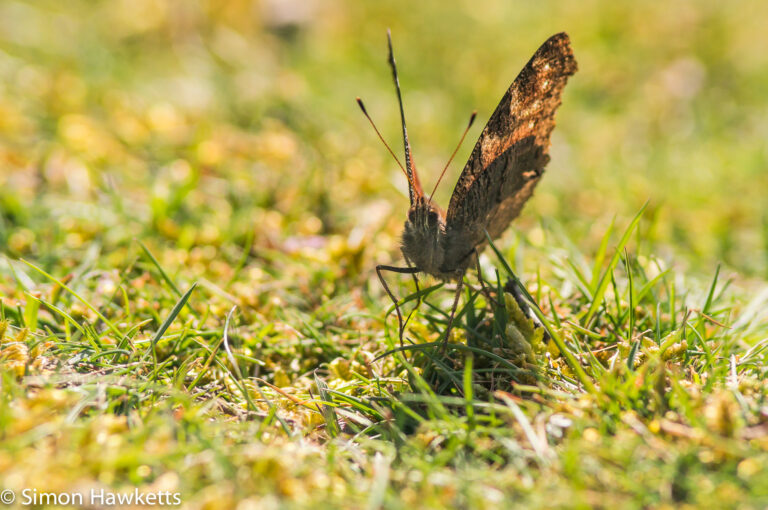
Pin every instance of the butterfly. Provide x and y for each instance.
(506, 163)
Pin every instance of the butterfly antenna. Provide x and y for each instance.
(469, 125)
(413, 180)
(365, 112)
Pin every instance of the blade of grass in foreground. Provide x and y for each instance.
(570, 359)
(510, 272)
(237, 376)
(631, 290)
(160, 269)
(710, 298)
(331, 420)
(468, 393)
(76, 295)
(573, 363)
(602, 285)
(31, 310)
(600, 256)
(68, 318)
(167, 323)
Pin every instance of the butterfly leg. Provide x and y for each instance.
(459, 286)
(418, 299)
(483, 288)
(515, 287)
(401, 270)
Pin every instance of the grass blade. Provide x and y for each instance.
(605, 278)
(167, 323)
(163, 274)
(600, 255)
(77, 296)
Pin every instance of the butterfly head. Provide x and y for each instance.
(425, 215)
(423, 235)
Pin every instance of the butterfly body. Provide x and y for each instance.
(506, 163)
(505, 166)
(424, 239)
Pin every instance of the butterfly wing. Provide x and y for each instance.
(509, 157)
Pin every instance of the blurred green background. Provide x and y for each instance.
(199, 122)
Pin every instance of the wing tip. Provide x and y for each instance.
(559, 39)
(560, 44)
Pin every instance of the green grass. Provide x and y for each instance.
(191, 210)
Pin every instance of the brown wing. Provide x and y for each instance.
(510, 155)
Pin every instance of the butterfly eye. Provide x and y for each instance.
(432, 217)
(412, 215)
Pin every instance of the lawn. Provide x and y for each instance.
(192, 208)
